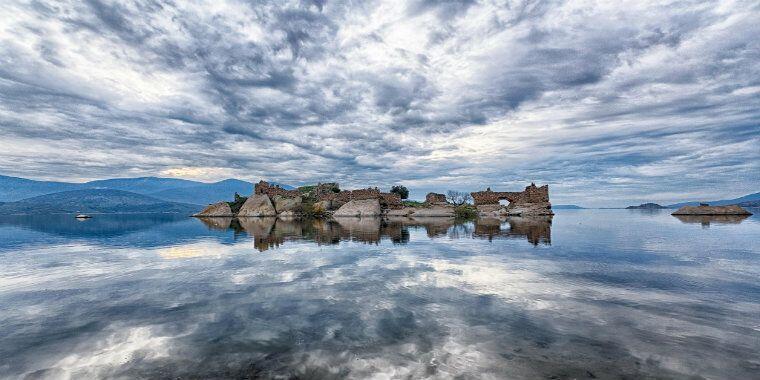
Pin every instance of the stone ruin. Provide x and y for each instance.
(533, 200)
(272, 200)
(264, 187)
(435, 199)
(327, 192)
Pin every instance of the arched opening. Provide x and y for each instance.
(503, 202)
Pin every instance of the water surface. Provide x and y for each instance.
(587, 294)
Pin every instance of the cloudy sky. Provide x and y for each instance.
(607, 102)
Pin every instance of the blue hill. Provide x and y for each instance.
(168, 189)
(14, 188)
(745, 199)
(95, 201)
(567, 207)
(207, 192)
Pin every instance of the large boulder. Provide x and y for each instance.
(364, 207)
(530, 209)
(326, 205)
(287, 206)
(219, 209)
(438, 211)
(257, 205)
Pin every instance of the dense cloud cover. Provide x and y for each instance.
(642, 101)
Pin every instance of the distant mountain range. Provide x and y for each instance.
(745, 201)
(95, 201)
(567, 207)
(167, 189)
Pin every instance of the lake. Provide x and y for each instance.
(587, 294)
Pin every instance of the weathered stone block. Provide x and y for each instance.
(218, 209)
(364, 207)
(257, 205)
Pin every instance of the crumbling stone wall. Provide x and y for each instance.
(435, 198)
(531, 194)
(324, 189)
(350, 195)
(326, 192)
(264, 187)
(391, 201)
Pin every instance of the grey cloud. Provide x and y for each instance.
(350, 99)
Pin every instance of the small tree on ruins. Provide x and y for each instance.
(401, 191)
(458, 197)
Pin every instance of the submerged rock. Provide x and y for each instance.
(365, 207)
(257, 205)
(711, 210)
(217, 209)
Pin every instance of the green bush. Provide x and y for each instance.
(237, 203)
(466, 212)
(401, 191)
(307, 209)
(413, 204)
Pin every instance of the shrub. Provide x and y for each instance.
(309, 209)
(414, 204)
(401, 190)
(237, 203)
(458, 197)
(466, 212)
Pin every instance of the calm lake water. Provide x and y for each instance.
(587, 294)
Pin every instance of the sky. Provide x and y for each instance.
(610, 102)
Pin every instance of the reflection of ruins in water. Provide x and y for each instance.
(705, 220)
(271, 232)
(537, 229)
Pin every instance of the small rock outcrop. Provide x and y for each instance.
(257, 205)
(364, 207)
(646, 206)
(704, 209)
(216, 209)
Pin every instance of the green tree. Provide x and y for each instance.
(401, 190)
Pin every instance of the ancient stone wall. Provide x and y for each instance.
(435, 198)
(531, 194)
(391, 201)
(325, 189)
(264, 187)
(351, 195)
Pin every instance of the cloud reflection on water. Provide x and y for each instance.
(447, 302)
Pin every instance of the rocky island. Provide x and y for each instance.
(706, 209)
(327, 199)
(646, 206)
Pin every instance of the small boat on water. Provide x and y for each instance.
(82, 216)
